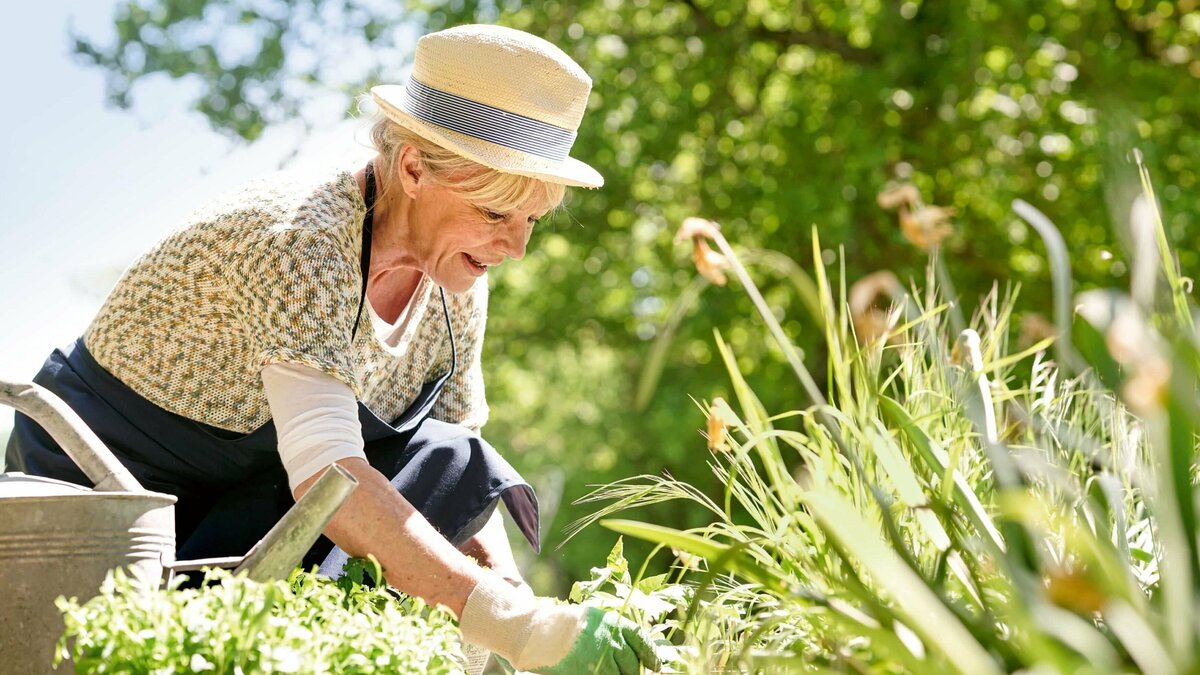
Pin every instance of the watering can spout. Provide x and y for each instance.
(71, 434)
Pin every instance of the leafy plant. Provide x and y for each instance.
(650, 601)
(947, 503)
(230, 624)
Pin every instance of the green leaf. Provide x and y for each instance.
(733, 559)
(616, 560)
(923, 612)
(651, 584)
(935, 458)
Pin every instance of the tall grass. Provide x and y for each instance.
(944, 502)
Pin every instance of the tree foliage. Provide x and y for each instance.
(768, 116)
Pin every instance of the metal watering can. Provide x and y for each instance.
(57, 538)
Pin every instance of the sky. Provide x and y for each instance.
(85, 188)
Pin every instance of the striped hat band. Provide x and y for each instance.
(485, 122)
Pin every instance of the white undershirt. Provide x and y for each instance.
(316, 414)
(389, 333)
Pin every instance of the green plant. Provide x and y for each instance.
(230, 624)
(649, 601)
(947, 504)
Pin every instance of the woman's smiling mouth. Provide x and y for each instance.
(475, 266)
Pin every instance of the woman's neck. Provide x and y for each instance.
(391, 240)
(394, 275)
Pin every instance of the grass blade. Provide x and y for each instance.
(721, 556)
(936, 459)
(924, 613)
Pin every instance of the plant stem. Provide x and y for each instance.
(789, 350)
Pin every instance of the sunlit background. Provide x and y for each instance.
(844, 146)
(780, 120)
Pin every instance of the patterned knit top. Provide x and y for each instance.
(270, 274)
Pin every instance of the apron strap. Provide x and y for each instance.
(450, 333)
(365, 268)
(364, 263)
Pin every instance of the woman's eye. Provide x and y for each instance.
(493, 216)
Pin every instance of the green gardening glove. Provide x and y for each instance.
(540, 636)
(609, 644)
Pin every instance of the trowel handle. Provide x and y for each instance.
(72, 435)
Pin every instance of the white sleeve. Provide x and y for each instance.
(316, 419)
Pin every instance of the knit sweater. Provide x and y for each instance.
(271, 274)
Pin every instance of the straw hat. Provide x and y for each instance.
(498, 96)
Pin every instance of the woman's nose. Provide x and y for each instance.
(515, 241)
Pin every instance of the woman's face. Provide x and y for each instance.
(458, 242)
(454, 242)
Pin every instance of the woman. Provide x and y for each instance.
(301, 322)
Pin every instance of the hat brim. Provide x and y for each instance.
(569, 171)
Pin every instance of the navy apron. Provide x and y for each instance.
(232, 487)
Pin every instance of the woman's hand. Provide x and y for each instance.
(490, 548)
(541, 636)
(499, 614)
(608, 644)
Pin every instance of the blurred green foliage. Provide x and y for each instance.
(765, 115)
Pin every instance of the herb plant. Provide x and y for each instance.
(230, 624)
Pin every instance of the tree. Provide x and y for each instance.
(768, 116)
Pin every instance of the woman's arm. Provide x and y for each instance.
(490, 548)
(316, 419)
(416, 559)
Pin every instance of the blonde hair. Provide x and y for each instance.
(485, 188)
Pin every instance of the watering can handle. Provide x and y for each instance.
(71, 433)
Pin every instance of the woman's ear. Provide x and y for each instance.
(409, 170)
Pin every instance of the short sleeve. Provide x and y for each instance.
(463, 401)
(295, 291)
(316, 419)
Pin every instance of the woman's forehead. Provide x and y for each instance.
(490, 190)
(535, 205)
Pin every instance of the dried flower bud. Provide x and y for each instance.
(710, 264)
(693, 228)
(872, 326)
(871, 321)
(905, 193)
(720, 418)
(927, 226)
(868, 290)
(924, 226)
(717, 441)
(688, 560)
(1146, 390)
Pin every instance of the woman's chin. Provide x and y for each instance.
(459, 276)
(455, 283)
